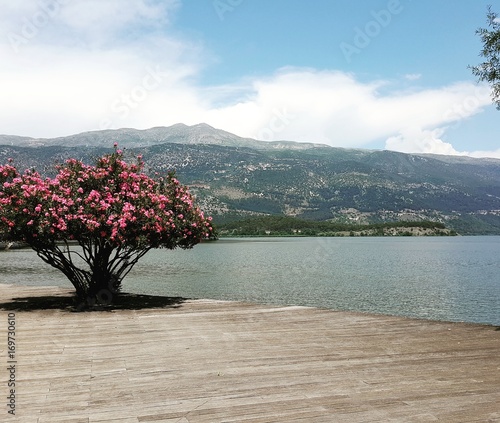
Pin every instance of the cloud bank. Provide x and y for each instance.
(70, 66)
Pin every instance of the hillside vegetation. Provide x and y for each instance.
(236, 178)
(290, 226)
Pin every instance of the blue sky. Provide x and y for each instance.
(349, 73)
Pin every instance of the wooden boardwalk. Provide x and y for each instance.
(212, 361)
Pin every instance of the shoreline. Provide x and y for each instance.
(68, 292)
(212, 361)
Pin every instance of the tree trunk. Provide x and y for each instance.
(103, 289)
(100, 285)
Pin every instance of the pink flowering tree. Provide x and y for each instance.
(94, 223)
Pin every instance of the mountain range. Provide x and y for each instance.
(235, 178)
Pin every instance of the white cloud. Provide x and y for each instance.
(303, 105)
(418, 140)
(336, 109)
(69, 74)
(109, 64)
(413, 76)
(83, 22)
(100, 22)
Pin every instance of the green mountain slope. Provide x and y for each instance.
(235, 178)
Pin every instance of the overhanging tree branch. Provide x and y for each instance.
(489, 71)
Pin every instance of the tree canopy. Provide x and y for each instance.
(489, 70)
(94, 223)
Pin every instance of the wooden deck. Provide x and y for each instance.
(212, 361)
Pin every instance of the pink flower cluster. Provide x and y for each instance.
(112, 202)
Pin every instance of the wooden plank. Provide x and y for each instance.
(215, 361)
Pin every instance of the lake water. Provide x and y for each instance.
(454, 279)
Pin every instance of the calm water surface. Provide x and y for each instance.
(455, 278)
